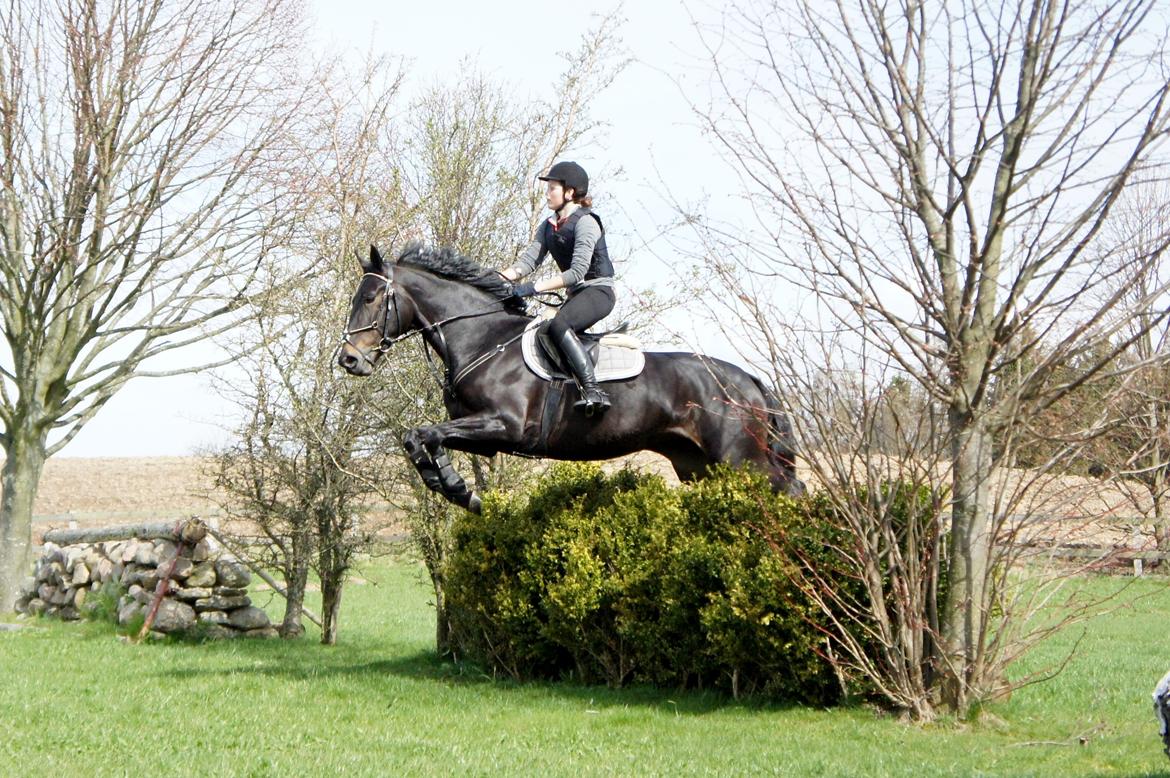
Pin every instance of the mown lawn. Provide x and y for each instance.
(75, 700)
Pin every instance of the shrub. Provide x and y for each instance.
(620, 578)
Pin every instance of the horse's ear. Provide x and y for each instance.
(375, 265)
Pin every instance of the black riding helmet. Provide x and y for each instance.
(571, 175)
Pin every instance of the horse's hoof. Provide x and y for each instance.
(474, 504)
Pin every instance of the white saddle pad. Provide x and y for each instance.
(620, 356)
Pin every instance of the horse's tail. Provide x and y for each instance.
(781, 441)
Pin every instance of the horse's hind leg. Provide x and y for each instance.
(780, 470)
(437, 472)
(688, 469)
(689, 461)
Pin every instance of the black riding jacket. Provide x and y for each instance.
(558, 241)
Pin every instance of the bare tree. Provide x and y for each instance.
(873, 452)
(308, 459)
(132, 217)
(934, 181)
(311, 455)
(1133, 449)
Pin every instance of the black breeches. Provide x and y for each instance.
(582, 310)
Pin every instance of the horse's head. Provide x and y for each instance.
(380, 313)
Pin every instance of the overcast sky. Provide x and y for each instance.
(652, 137)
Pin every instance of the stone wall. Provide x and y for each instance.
(207, 590)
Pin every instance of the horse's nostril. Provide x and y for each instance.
(348, 360)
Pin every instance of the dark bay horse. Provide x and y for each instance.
(694, 410)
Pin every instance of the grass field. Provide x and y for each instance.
(75, 700)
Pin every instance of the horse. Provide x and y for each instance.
(694, 410)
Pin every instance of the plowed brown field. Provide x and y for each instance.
(133, 487)
(121, 490)
(98, 491)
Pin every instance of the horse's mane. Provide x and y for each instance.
(448, 263)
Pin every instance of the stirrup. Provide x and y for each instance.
(592, 402)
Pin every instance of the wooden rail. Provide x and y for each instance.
(1139, 558)
(187, 530)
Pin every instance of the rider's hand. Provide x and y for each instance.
(524, 289)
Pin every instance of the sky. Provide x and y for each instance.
(652, 137)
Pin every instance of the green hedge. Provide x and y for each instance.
(621, 579)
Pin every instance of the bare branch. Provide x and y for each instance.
(936, 184)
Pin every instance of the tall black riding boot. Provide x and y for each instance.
(593, 400)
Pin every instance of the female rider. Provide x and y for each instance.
(576, 239)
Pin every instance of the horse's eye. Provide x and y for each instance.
(369, 297)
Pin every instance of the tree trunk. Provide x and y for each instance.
(970, 549)
(1155, 483)
(442, 626)
(481, 472)
(21, 474)
(296, 576)
(330, 607)
(431, 532)
(332, 564)
(1161, 527)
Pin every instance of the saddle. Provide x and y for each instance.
(614, 354)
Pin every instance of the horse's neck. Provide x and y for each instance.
(468, 320)
(437, 298)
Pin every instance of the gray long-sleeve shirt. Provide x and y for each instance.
(585, 236)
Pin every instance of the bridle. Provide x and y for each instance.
(379, 324)
(390, 298)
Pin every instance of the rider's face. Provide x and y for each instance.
(555, 191)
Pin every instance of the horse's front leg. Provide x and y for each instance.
(424, 448)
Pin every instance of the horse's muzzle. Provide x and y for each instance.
(354, 362)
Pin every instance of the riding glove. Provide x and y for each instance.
(525, 289)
